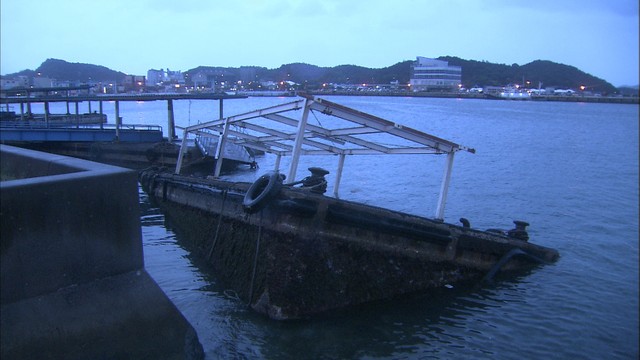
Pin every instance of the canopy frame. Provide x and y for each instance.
(309, 139)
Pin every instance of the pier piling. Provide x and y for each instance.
(118, 120)
(171, 131)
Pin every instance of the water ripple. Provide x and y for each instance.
(569, 169)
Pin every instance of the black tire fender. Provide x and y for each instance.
(261, 191)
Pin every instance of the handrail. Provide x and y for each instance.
(39, 124)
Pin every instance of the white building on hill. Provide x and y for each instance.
(431, 74)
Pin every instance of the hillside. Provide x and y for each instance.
(474, 73)
(78, 72)
(309, 74)
(540, 71)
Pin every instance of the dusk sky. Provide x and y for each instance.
(599, 37)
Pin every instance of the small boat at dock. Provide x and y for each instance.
(290, 251)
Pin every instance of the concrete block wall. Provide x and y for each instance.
(72, 276)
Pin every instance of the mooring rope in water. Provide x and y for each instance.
(215, 238)
(255, 260)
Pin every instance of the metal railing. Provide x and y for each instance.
(41, 124)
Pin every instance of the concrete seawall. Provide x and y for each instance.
(73, 283)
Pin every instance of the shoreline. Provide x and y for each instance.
(576, 98)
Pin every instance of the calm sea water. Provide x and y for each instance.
(569, 169)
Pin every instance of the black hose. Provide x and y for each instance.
(505, 258)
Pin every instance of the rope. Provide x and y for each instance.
(231, 294)
(255, 260)
(215, 238)
(292, 184)
(319, 123)
(317, 120)
(189, 112)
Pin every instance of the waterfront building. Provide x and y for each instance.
(134, 82)
(42, 82)
(203, 79)
(155, 77)
(176, 77)
(17, 82)
(431, 74)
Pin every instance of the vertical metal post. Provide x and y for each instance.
(68, 112)
(171, 127)
(297, 146)
(221, 110)
(77, 115)
(444, 188)
(21, 111)
(101, 112)
(46, 113)
(118, 120)
(29, 113)
(89, 106)
(183, 149)
(220, 150)
(338, 176)
(277, 167)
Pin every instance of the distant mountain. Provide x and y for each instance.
(474, 73)
(66, 71)
(547, 73)
(629, 90)
(309, 74)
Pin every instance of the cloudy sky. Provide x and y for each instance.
(132, 36)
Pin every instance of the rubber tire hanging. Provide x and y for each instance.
(261, 191)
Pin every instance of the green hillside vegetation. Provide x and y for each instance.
(77, 72)
(474, 73)
(548, 73)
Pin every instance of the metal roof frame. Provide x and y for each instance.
(302, 138)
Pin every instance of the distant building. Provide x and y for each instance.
(134, 82)
(248, 74)
(155, 77)
(203, 79)
(175, 77)
(42, 82)
(18, 82)
(431, 74)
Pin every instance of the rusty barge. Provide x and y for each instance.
(292, 252)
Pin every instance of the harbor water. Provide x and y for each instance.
(569, 169)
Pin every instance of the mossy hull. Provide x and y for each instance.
(316, 253)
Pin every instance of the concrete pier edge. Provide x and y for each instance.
(73, 283)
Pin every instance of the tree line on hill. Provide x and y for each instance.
(474, 73)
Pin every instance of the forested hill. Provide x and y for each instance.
(311, 74)
(474, 73)
(543, 72)
(77, 72)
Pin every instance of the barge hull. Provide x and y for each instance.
(304, 254)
